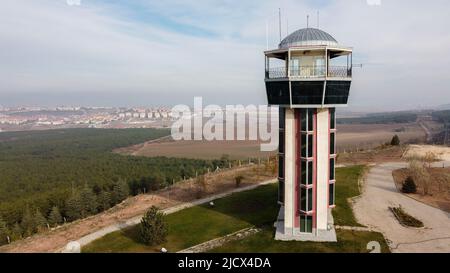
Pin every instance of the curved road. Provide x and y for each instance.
(371, 209)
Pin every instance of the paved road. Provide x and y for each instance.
(371, 209)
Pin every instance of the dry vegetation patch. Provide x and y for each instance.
(404, 218)
(433, 184)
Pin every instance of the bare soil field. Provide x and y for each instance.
(439, 187)
(350, 137)
(371, 156)
(366, 136)
(179, 193)
(199, 149)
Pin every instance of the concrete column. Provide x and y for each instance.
(289, 172)
(323, 136)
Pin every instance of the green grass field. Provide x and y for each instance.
(346, 187)
(198, 224)
(257, 207)
(263, 242)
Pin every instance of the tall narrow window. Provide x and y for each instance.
(303, 173)
(295, 66)
(303, 199)
(303, 119)
(304, 145)
(306, 224)
(282, 115)
(281, 146)
(332, 162)
(310, 120)
(332, 118)
(310, 146)
(310, 172)
(332, 143)
(281, 166)
(331, 194)
(310, 200)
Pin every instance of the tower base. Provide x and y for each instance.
(294, 234)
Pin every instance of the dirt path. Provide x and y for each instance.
(181, 194)
(371, 209)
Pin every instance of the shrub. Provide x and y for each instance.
(395, 141)
(55, 218)
(409, 186)
(153, 228)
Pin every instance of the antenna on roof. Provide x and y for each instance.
(307, 21)
(267, 34)
(287, 26)
(279, 21)
(318, 19)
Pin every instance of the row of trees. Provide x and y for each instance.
(81, 203)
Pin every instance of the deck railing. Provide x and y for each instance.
(309, 72)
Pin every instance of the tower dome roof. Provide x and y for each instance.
(308, 37)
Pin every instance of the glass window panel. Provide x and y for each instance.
(333, 118)
(309, 224)
(332, 169)
(281, 118)
(303, 199)
(303, 145)
(332, 143)
(310, 145)
(281, 166)
(303, 172)
(310, 119)
(281, 146)
(310, 200)
(302, 223)
(303, 119)
(310, 173)
(331, 194)
(306, 223)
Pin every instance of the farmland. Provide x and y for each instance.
(349, 138)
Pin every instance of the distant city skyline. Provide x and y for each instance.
(145, 53)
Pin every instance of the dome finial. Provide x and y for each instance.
(307, 21)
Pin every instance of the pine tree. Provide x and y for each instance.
(16, 232)
(153, 228)
(395, 141)
(88, 201)
(40, 221)
(4, 232)
(28, 224)
(104, 200)
(409, 186)
(120, 191)
(73, 209)
(55, 218)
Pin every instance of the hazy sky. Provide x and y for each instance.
(142, 52)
